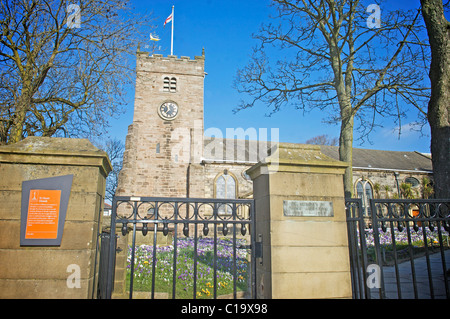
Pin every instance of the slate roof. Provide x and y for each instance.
(250, 152)
(235, 151)
(390, 160)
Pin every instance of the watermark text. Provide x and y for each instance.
(374, 20)
(73, 280)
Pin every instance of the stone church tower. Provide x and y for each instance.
(165, 142)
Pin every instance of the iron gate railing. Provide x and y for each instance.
(191, 223)
(401, 250)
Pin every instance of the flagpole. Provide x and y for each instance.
(173, 22)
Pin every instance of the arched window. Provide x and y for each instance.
(364, 190)
(173, 85)
(413, 181)
(166, 87)
(225, 186)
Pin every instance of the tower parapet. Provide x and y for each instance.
(171, 64)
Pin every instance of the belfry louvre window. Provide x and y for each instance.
(166, 84)
(173, 85)
(170, 85)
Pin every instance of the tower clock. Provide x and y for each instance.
(168, 110)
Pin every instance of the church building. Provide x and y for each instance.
(168, 155)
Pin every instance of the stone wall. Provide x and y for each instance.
(211, 171)
(42, 272)
(387, 178)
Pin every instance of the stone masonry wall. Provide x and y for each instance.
(42, 271)
(387, 178)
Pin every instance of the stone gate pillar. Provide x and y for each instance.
(43, 271)
(300, 214)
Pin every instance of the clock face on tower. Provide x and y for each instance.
(168, 111)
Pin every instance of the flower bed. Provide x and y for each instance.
(402, 237)
(185, 268)
(402, 244)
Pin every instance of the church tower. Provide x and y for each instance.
(165, 141)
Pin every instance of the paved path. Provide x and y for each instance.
(423, 283)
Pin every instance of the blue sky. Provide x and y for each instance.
(224, 29)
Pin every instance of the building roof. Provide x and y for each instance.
(235, 150)
(251, 152)
(386, 160)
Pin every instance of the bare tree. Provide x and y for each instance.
(335, 57)
(323, 140)
(439, 106)
(64, 67)
(115, 149)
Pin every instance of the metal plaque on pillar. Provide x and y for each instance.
(295, 208)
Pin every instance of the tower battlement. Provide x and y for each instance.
(175, 57)
(171, 64)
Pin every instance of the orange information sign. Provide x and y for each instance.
(43, 214)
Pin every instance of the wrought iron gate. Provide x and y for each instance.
(399, 248)
(214, 235)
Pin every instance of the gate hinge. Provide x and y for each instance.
(259, 249)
